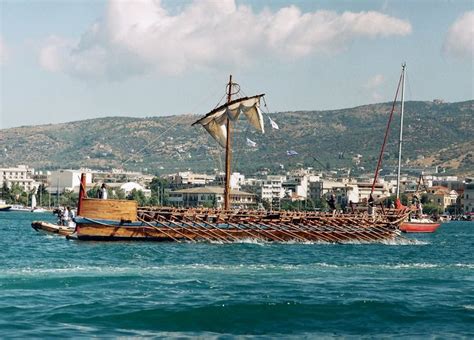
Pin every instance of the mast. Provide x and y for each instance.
(400, 140)
(228, 151)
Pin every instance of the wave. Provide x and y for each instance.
(125, 270)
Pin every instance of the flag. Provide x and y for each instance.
(291, 153)
(273, 124)
(251, 143)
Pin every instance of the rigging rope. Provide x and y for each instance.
(387, 130)
(169, 128)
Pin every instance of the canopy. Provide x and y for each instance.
(215, 121)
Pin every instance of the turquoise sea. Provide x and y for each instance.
(52, 287)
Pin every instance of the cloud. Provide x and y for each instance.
(141, 36)
(373, 84)
(375, 81)
(459, 42)
(4, 52)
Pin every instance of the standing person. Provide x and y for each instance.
(71, 213)
(65, 216)
(371, 206)
(102, 192)
(71, 222)
(332, 203)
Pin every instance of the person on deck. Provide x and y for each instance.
(332, 203)
(102, 192)
(371, 206)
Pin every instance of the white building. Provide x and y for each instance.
(211, 197)
(130, 186)
(271, 189)
(20, 175)
(62, 180)
(190, 178)
(296, 186)
(236, 180)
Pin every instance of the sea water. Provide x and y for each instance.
(50, 286)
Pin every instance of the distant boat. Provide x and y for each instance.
(4, 206)
(39, 210)
(34, 207)
(52, 228)
(419, 225)
(18, 207)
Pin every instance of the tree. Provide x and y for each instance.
(158, 193)
(6, 194)
(431, 208)
(69, 199)
(137, 195)
(42, 195)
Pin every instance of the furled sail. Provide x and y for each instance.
(215, 121)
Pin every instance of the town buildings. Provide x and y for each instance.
(447, 193)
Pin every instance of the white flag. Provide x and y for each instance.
(273, 124)
(251, 143)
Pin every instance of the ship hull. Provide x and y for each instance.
(107, 230)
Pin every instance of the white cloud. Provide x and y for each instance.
(375, 81)
(138, 36)
(459, 42)
(373, 85)
(3, 52)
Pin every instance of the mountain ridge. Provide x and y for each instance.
(169, 143)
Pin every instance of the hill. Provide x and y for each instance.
(434, 134)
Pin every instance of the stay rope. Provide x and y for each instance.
(387, 130)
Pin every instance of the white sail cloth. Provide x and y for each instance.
(215, 121)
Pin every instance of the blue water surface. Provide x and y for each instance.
(52, 287)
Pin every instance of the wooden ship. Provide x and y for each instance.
(106, 220)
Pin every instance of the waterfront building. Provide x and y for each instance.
(67, 179)
(236, 179)
(211, 196)
(468, 196)
(187, 179)
(121, 176)
(20, 175)
(442, 197)
(128, 187)
(380, 190)
(271, 189)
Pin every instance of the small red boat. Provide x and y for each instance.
(423, 225)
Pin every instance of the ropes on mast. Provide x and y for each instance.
(387, 130)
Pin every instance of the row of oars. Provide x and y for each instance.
(193, 228)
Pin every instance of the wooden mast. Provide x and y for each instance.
(228, 152)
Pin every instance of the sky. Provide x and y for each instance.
(63, 61)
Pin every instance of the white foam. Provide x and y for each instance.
(120, 271)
